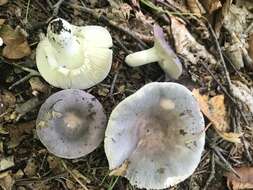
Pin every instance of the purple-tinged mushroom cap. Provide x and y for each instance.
(159, 132)
(71, 123)
(161, 52)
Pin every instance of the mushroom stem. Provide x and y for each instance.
(142, 57)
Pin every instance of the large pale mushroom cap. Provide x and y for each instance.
(74, 57)
(159, 132)
(71, 123)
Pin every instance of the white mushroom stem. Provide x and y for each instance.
(142, 57)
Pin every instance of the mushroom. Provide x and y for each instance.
(71, 123)
(161, 52)
(74, 56)
(155, 137)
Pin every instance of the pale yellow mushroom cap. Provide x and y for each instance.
(74, 57)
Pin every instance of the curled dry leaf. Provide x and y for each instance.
(186, 45)
(195, 7)
(16, 44)
(244, 182)
(215, 110)
(38, 86)
(2, 2)
(244, 95)
(211, 5)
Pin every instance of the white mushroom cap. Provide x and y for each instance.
(161, 53)
(71, 123)
(74, 57)
(159, 132)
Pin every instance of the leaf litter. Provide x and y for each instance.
(186, 27)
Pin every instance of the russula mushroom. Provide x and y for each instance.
(156, 136)
(74, 56)
(161, 52)
(71, 123)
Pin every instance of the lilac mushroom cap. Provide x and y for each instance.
(159, 132)
(161, 52)
(71, 123)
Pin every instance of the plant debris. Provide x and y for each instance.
(244, 181)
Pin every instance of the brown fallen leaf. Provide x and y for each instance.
(215, 110)
(2, 2)
(19, 133)
(195, 7)
(211, 5)
(16, 44)
(244, 182)
(187, 46)
(6, 181)
(31, 167)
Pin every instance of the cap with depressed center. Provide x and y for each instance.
(71, 123)
(74, 56)
(161, 52)
(159, 132)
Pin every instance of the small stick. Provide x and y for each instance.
(211, 176)
(227, 94)
(74, 176)
(109, 22)
(227, 164)
(32, 73)
(57, 7)
(113, 84)
(122, 45)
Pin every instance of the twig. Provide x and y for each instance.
(31, 74)
(239, 130)
(57, 7)
(227, 94)
(121, 45)
(109, 22)
(211, 176)
(113, 84)
(27, 11)
(74, 176)
(220, 156)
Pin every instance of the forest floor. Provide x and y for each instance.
(212, 38)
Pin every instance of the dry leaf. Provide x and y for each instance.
(246, 3)
(195, 7)
(244, 95)
(215, 110)
(235, 21)
(55, 164)
(31, 167)
(7, 99)
(6, 163)
(6, 181)
(121, 170)
(244, 182)
(16, 44)
(187, 46)
(2, 2)
(19, 133)
(211, 5)
(38, 86)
